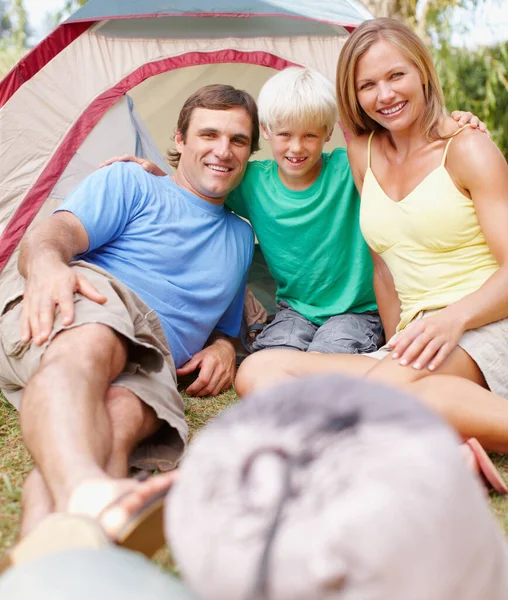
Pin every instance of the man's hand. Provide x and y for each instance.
(463, 118)
(427, 342)
(216, 364)
(46, 288)
(148, 165)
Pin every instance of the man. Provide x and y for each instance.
(162, 264)
(353, 490)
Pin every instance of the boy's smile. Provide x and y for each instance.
(297, 152)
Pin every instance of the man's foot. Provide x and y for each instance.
(478, 461)
(55, 533)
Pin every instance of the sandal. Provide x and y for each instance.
(486, 467)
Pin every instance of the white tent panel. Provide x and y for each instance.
(61, 92)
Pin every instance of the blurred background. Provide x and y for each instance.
(468, 40)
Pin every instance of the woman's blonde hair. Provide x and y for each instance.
(352, 116)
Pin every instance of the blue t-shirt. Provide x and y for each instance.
(185, 258)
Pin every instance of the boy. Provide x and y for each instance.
(304, 208)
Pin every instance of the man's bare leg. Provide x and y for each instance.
(64, 420)
(131, 421)
(36, 501)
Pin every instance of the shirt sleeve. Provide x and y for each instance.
(236, 202)
(105, 202)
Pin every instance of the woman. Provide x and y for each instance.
(434, 212)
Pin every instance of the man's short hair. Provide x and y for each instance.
(298, 96)
(329, 487)
(216, 97)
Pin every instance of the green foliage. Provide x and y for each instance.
(477, 80)
(5, 21)
(14, 32)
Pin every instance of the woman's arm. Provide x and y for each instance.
(477, 166)
(387, 298)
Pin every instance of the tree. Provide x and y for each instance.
(5, 21)
(19, 20)
(14, 32)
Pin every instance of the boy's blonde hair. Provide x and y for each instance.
(298, 96)
(352, 116)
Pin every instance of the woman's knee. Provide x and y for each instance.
(262, 367)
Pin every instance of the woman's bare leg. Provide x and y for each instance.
(269, 367)
(457, 392)
(470, 409)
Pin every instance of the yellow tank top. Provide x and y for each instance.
(430, 240)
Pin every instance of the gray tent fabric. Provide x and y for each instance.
(339, 11)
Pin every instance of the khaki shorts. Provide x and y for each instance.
(149, 372)
(487, 346)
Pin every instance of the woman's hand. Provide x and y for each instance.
(148, 165)
(464, 117)
(429, 341)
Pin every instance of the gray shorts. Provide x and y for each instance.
(149, 372)
(487, 346)
(350, 333)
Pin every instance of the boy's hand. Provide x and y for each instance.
(463, 118)
(148, 165)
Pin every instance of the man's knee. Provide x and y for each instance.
(92, 347)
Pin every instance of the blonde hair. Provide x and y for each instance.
(352, 116)
(298, 96)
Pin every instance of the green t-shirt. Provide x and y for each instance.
(311, 239)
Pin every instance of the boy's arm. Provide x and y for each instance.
(148, 165)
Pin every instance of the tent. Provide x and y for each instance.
(112, 78)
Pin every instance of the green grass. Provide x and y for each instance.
(15, 464)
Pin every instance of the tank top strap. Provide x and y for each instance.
(450, 141)
(368, 148)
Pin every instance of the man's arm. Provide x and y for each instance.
(217, 360)
(44, 259)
